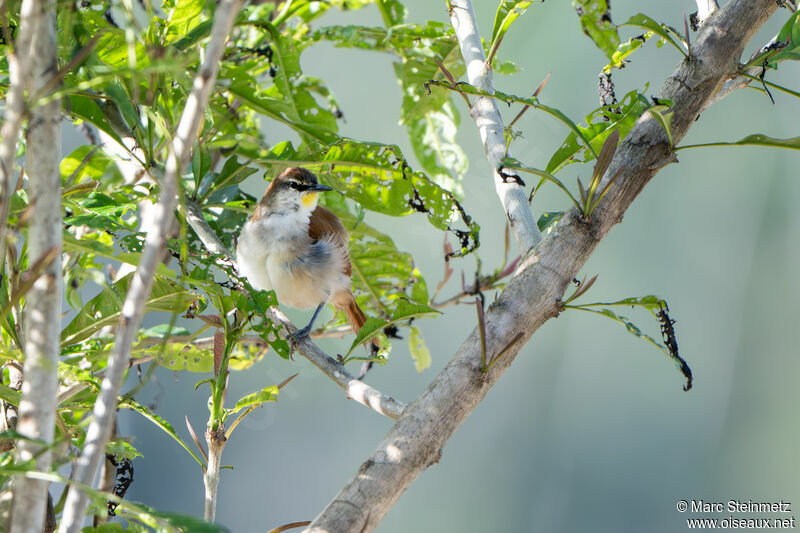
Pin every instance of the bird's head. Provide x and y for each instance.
(294, 189)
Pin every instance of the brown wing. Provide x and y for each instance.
(324, 223)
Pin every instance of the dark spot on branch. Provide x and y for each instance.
(694, 21)
(509, 176)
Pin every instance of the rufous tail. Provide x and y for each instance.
(354, 315)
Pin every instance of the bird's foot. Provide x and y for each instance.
(298, 335)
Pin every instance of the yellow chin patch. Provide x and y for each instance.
(310, 200)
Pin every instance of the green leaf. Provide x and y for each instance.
(419, 352)
(382, 274)
(392, 11)
(624, 50)
(378, 178)
(650, 302)
(122, 449)
(88, 162)
(86, 108)
(267, 394)
(292, 89)
(507, 12)
(630, 326)
(505, 67)
(662, 30)
(404, 311)
(165, 426)
(430, 118)
(757, 139)
(105, 309)
(790, 33)
(183, 18)
(547, 219)
(595, 17)
(179, 356)
(656, 306)
(622, 116)
(664, 118)
(9, 395)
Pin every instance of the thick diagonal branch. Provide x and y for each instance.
(99, 430)
(490, 126)
(533, 295)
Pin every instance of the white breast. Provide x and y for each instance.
(276, 253)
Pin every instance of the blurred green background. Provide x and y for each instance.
(589, 430)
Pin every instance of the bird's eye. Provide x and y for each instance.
(294, 185)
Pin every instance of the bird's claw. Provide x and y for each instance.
(297, 336)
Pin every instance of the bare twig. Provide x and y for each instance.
(98, 432)
(490, 125)
(453, 82)
(535, 94)
(42, 313)
(531, 296)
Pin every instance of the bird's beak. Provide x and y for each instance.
(318, 188)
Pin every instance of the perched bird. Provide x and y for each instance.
(298, 249)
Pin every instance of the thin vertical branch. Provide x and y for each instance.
(43, 302)
(99, 430)
(19, 73)
(216, 443)
(490, 125)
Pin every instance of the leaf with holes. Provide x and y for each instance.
(378, 178)
(662, 30)
(595, 17)
(620, 56)
(419, 351)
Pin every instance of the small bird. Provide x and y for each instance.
(298, 249)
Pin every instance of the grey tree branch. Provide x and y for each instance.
(99, 430)
(533, 295)
(356, 390)
(42, 324)
(19, 70)
(490, 125)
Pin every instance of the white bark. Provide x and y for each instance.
(19, 70)
(533, 294)
(216, 443)
(42, 312)
(99, 430)
(704, 10)
(490, 125)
